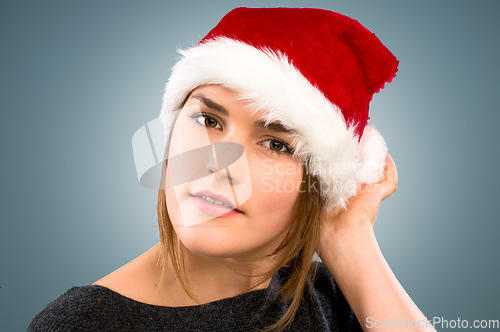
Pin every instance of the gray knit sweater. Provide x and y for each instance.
(97, 308)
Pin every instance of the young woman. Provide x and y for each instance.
(269, 160)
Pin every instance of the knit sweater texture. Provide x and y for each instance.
(97, 308)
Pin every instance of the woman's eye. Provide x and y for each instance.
(206, 120)
(277, 146)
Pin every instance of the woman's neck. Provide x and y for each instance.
(211, 279)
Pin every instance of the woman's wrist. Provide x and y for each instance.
(346, 240)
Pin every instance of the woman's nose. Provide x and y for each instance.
(230, 161)
(229, 157)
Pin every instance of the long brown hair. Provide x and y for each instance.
(296, 250)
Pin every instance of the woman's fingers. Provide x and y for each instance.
(390, 182)
(385, 187)
(371, 195)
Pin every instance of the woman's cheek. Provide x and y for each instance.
(278, 180)
(284, 175)
(173, 207)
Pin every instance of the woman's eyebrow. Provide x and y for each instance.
(273, 126)
(211, 104)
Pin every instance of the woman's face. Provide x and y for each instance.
(234, 181)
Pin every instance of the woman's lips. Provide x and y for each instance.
(213, 209)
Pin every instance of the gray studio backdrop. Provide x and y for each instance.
(78, 78)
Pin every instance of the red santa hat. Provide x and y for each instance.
(313, 70)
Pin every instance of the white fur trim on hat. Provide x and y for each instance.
(270, 82)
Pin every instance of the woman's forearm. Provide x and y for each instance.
(369, 285)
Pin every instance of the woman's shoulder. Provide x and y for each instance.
(98, 308)
(330, 302)
(324, 282)
(71, 310)
(114, 299)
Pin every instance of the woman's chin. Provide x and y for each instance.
(211, 250)
(215, 242)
